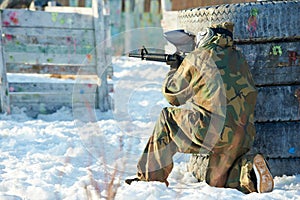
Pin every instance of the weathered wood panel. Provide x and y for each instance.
(58, 87)
(50, 97)
(54, 97)
(63, 69)
(79, 34)
(41, 43)
(108, 45)
(4, 100)
(34, 109)
(64, 42)
(54, 46)
(100, 56)
(39, 97)
(277, 103)
(41, 19)
(53, 59)
(51, 46)
(60, 41)
(50, 49)
(79, 10)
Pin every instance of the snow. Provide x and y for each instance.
(59, 156)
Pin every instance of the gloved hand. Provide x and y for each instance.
(175, 62)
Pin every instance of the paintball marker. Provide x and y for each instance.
(183, 41)
(145, 55)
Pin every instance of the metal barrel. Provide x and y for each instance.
(152, 57)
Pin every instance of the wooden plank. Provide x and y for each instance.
(58, 87)
(50, 49)
(4, 99)
(100, 59)
(41, 19)
(34, 109)
(108, 46)
(277, 103)
(38, 35)
(55, 43)
(78, 42)
(69, 9)
(20, 97)
(49, 98)
(51, 69)
(39, 59)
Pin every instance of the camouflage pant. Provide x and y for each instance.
(241, 176)
(227, 166)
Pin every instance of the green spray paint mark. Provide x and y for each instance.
(43, 109)
(62, 21)
(276, 50)
(54, 17)
(50, 60)
(254, 12)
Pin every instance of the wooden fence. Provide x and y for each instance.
(61, 42)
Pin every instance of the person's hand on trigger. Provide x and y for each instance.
(174, 64)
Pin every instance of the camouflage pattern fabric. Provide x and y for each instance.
(241, 175)
(215, 81)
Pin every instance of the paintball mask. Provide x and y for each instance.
(220, 35)
(182, 40)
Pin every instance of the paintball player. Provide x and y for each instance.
(216, 81)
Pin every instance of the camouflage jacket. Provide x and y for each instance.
(216, 79)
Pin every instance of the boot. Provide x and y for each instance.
(264, 179)
(130, 180)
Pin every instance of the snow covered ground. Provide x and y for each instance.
(60, 156)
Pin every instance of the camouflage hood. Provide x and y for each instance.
(217, 35)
